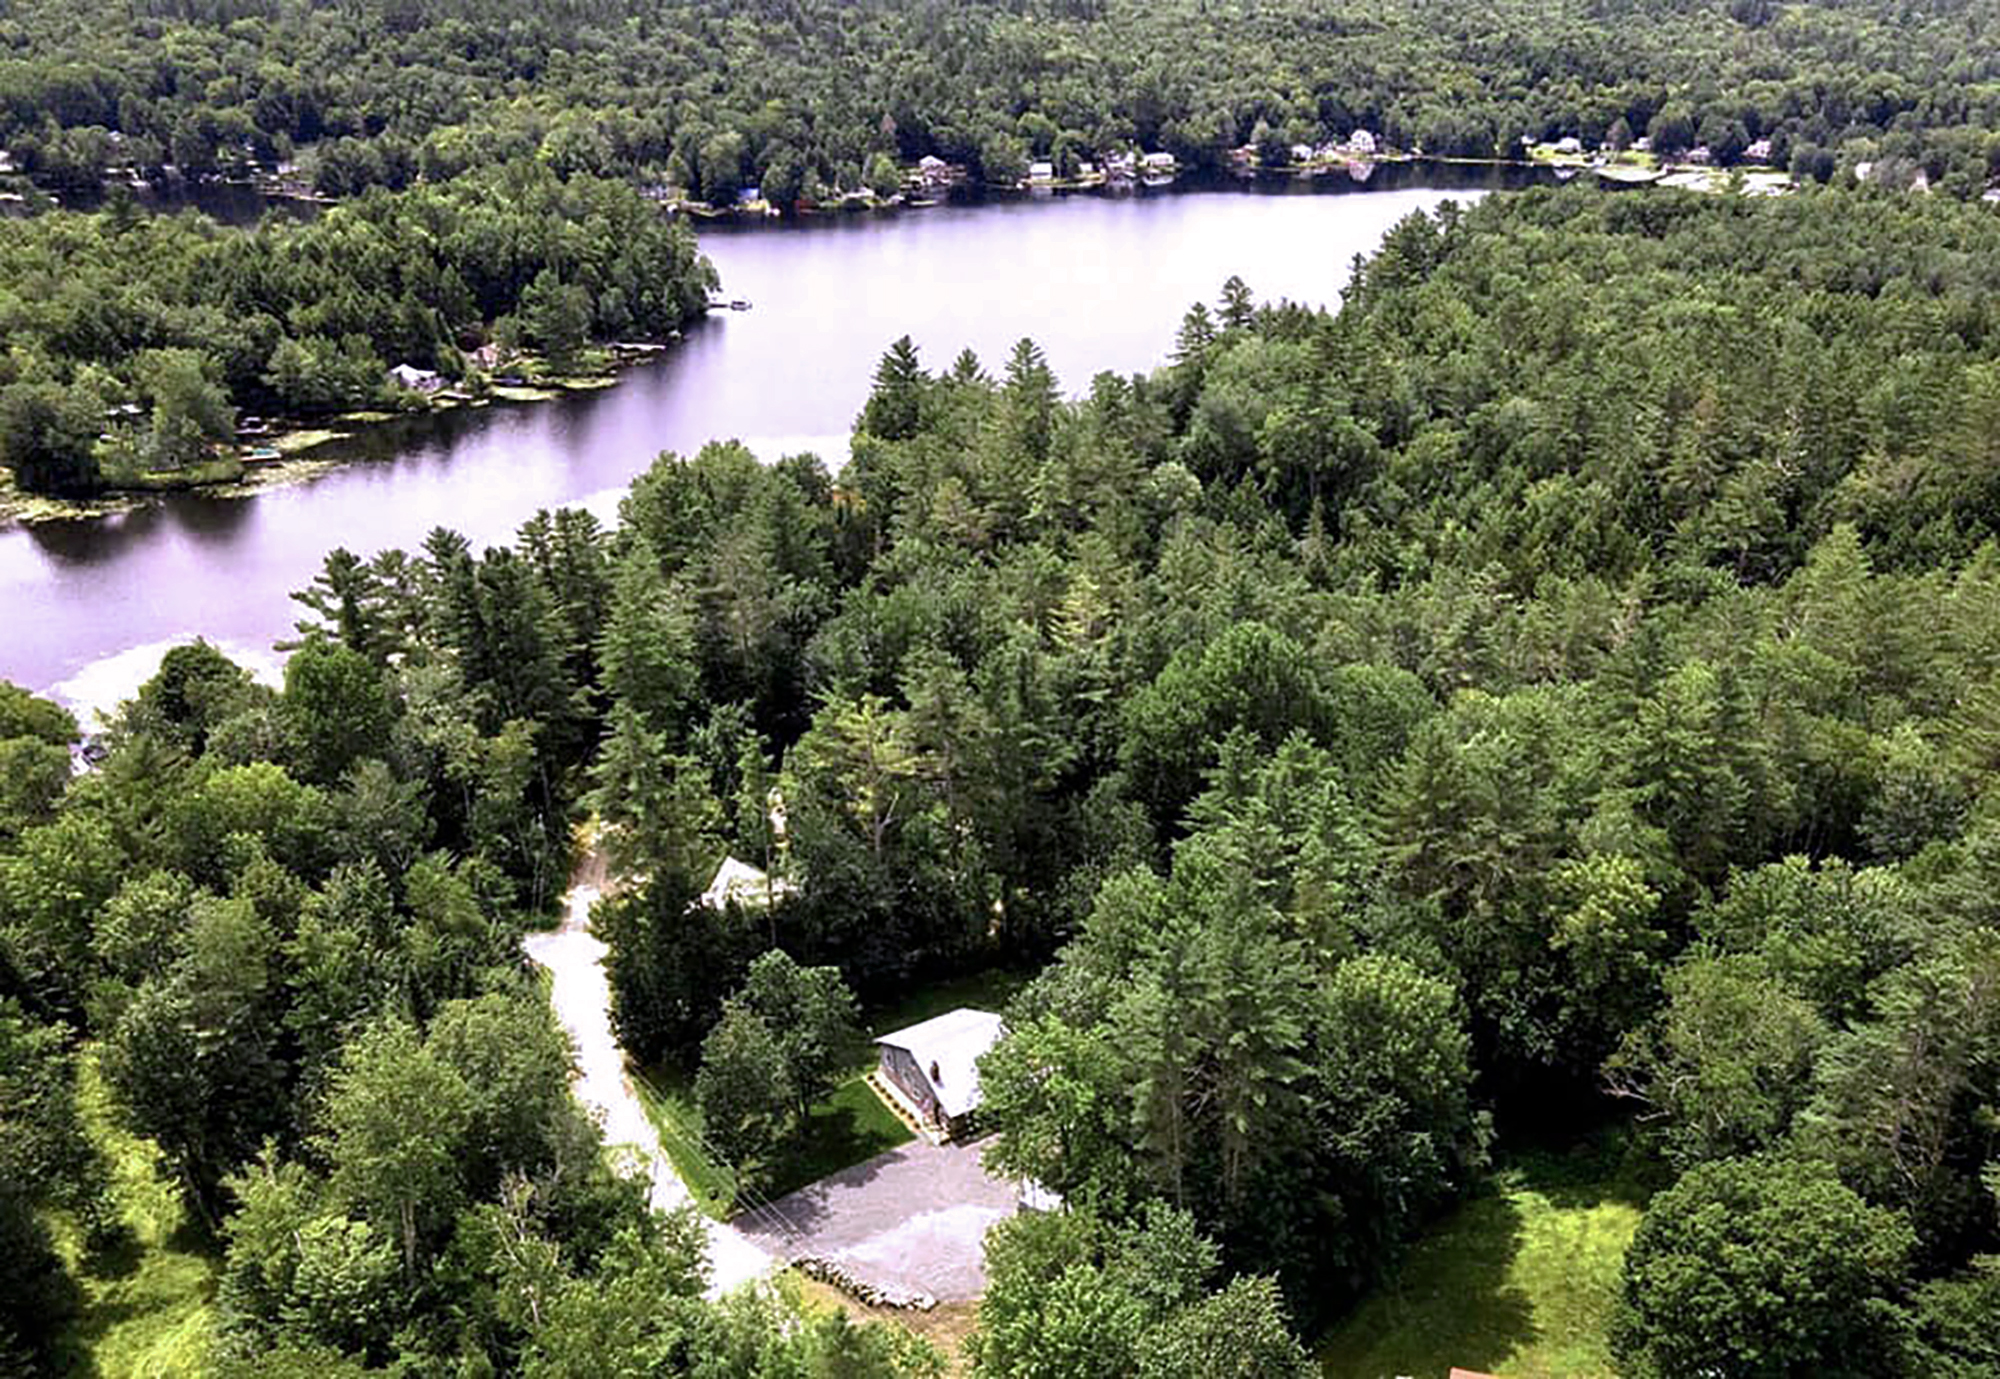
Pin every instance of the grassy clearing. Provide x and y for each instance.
(147, 1311)
(1519, 1282)
(988, 990)
(848, 1126)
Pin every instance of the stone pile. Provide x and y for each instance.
(837, 1275)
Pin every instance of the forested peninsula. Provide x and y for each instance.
(138, 347)
(1553, 695)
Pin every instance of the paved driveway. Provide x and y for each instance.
(915, 1217)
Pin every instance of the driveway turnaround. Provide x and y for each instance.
(914, 1218)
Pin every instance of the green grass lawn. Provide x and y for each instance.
(1519, 1282)
(668, 1098)
(844, 1128)
(848, 1126)
(988, 990)
(148, 1311)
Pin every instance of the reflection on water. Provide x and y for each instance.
(1100, 282)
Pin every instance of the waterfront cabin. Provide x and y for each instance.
(1361, 143)
(1041, 172)
(415, 379)
(933, 1067)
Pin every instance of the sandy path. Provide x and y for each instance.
(581, 994)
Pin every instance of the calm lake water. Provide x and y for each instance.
(1100, 282)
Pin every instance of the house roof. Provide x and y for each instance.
(952, 1043)
(744, 884)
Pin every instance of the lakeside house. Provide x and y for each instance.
(1041, 172)
(1361, 143)
(415, 379)
(932, 1067)
(932, 168)
(1158, 163)
(1302, 153)
(1757, 151)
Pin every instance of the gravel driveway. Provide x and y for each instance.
(915, 1217)
(581, 994)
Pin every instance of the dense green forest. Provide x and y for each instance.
(1560, 687)
(807, 98)
(131, 341)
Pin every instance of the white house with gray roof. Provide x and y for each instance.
(934, 1066)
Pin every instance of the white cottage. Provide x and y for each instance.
(738, 883)
(933, 1067)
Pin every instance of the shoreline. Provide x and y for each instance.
(294, 464)
(241, 475)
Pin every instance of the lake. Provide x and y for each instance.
(1099, 281)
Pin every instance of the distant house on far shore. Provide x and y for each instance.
(933, 1067)
(1361, 141)
(1041, 172)
(415, 379)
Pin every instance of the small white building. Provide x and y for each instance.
(933, 1066)
(1361, 142)
(415, 379)
(933, 168)
(1569, 144)
(1302, 153)
(751, 888)
(1041, 172)
(1757, 151)
(1158, 162)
